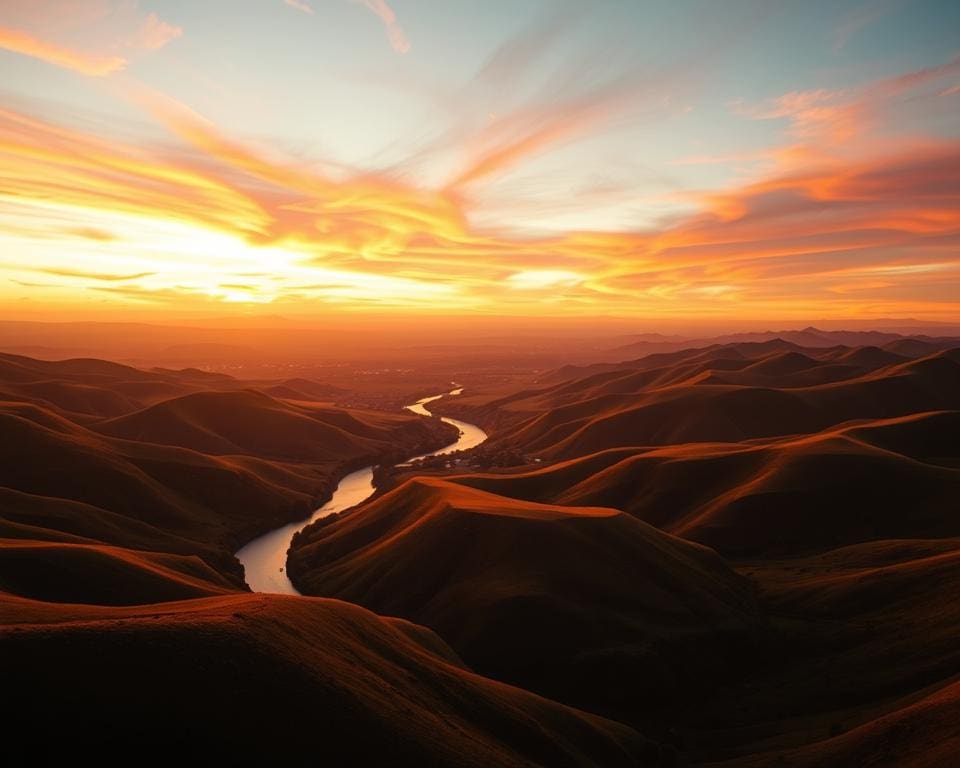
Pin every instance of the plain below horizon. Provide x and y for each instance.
(268, 348)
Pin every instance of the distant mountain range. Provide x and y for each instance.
(646, 344)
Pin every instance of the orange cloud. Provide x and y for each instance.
(509, 141)
(40, 161)
(110, 27)
(839, 116)
(155, 33)
(819, 112)
(18, 41)
(223, 220)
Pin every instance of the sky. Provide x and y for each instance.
(741, 160)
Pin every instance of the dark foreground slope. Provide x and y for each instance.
(587, 604)
(271, 679)
(922, 732)
(864, 670)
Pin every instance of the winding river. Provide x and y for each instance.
(265, 558)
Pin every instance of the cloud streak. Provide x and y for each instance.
(300, 5)
(839, 116)
(395, 34)
(532, 96)
(18, 41)
(155, 33)
(94, 275)
(859, 19)
(117, 27)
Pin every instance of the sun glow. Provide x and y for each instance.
(150, 260)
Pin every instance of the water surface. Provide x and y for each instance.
(265, 558)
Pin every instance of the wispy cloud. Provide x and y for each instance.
(300, 5)
(533, 95)
(155, 33)
(838, 116)
(107, 277)
(92, 233)
(395, 34)
(115, 28)
(18, 41)
(861, 17)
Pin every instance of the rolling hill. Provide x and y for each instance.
(806, 337)
(565, 600)
(721, 394)
(782, 496)
(249, 422)
(190, 476)
(744, 552)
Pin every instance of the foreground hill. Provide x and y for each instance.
(870, 635)
(584, 603)
(274, 679)
(923, 732)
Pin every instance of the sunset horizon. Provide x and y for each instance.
(541, 160)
